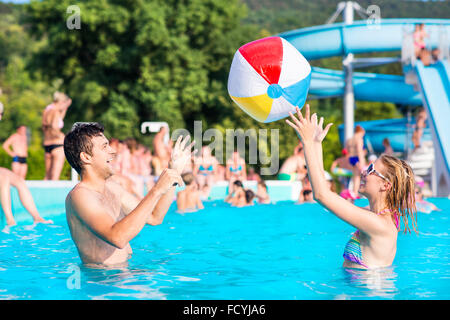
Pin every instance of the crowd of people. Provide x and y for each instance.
(137, 167)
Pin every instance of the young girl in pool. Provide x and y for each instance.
(388, 184)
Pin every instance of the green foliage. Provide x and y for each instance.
(155, 60)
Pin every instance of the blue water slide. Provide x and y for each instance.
(339, 39)
(435, 88)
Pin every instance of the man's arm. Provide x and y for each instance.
(7, 144)
(94, 214)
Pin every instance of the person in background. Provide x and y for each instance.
(387, 147)
(306, 186)
(205, 168)
(188, 200)
(252, 175)
(220, 173)
(421, 119)
(355, 148)
(116, 164)
(419, 36)
(342, 168)
(161, 148)
(236, 169)
(234, 190)
(17, 147)
(8, 179)
(422, 204)
(244, 199)
(294, 167)
(435, 55)
(52, 124)
(262, 193)
(308, 196)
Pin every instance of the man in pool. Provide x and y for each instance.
(101, 215)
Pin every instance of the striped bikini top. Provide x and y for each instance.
(352, 251)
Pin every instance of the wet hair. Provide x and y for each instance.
(249, 195)
(401, 197)
(188, 178)
(78, 140)
(238, 183)
(306, 192)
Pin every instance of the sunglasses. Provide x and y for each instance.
(371, 170)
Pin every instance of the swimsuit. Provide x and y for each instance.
(352, 251)
(287, 176)
(353, 160)
(49, 148)
(204, 171)
(20, 159)
(236, 170)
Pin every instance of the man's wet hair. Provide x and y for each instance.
(78, 140)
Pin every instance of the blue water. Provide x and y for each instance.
(282, 251)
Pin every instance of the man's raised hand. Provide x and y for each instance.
(181, 154)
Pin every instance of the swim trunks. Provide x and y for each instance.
(49, 148)
(353, 160)
(20, 159)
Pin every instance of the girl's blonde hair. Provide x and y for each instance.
(401, 198)
(59, 96)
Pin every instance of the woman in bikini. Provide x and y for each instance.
(52, 123)
(388, 184)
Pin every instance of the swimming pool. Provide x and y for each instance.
(277, 251)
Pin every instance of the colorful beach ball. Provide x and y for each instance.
(268, 78)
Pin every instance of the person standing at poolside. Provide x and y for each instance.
(388, 184)
(355, 148)
(294, 167)
(102, 217)
(8, 179)
(17, 147)
(52, 123)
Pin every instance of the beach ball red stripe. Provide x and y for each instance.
(265, 56)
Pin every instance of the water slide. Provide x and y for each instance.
(435, 88)
(432, 89)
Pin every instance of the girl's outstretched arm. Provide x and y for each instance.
(312, 135)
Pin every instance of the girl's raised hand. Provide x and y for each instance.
(307, 127)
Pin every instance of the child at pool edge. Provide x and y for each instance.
(188, 200)
(388, 184)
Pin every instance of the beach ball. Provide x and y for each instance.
(269, 78)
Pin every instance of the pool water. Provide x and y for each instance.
(277, 251)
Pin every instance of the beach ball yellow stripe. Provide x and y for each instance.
(257, 106)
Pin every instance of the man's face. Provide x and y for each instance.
(102, 156)
(22, 130)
